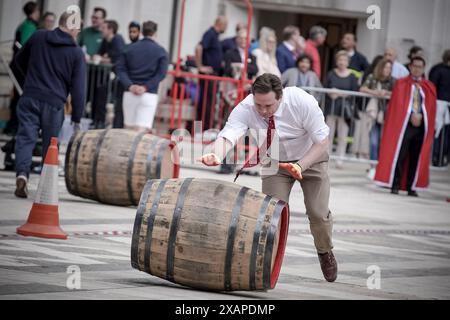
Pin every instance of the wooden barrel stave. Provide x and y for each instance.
(202, 239)
(113, 165)
(96, 168)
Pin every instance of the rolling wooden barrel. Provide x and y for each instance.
(209, 234)
(112, 166)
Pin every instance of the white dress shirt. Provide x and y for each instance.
(299, 123)
(290, 47)
(399, 70)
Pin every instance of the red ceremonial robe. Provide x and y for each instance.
(396, 120)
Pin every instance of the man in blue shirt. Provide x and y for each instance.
(209, 60)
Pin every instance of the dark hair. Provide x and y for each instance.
(149, 28)
(103, 11)
(288, 31)
(112, 24)
(354, 36)
(266, 83)
(303, 57)
(48, 14)
(42, 21)
(29, 8)
(134, 24)
(446, 56)
(414, 50)
(419, 58)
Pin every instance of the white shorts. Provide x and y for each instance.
(139, 110)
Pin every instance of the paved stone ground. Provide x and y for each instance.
(407, 238)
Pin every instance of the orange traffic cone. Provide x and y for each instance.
(43, 220)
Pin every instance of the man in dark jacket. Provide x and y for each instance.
(287, 51)
(234, 59)
(54, 66)
(109, 53)
(358, 62)
(440, 76)
(143, 64)
(233, 68)
(112, 44)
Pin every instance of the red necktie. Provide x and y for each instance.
(247, 163)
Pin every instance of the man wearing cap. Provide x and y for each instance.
(291, 120)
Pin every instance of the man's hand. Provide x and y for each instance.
(294, 169)
(133, 88)
(210, 160)
(137, 89)
(141, 90)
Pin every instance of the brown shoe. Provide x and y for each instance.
(328, 265)
(21, 187)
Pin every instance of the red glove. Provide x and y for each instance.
(294, 169)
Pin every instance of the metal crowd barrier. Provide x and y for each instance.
(186, 97)
(190, 97)
(101, 89)
(358, 102)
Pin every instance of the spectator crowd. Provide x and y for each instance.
(141, 65)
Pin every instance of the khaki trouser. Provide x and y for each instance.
(342, 132)
(361, 136)
(316, 191)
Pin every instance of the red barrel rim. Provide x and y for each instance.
(281, 246)
(176, 159)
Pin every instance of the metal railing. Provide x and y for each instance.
(358, 102)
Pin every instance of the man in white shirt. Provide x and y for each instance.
(298, 124)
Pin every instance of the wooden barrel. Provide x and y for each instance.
(209, 234)
(112, 166)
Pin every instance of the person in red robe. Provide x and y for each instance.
(407, 137)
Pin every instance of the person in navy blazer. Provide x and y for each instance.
(143, 65)
(235, 57)
(287, 51)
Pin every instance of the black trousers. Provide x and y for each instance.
(118, 107)
(411, 146)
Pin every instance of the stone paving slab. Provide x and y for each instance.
(408, 239)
